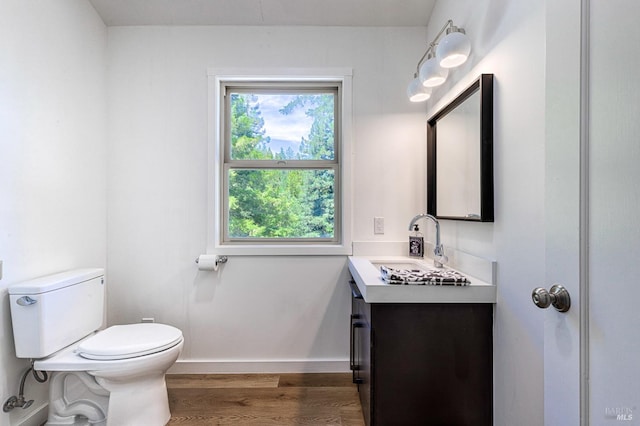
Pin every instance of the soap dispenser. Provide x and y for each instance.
(416, 243)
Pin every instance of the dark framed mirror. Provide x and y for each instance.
(460, 156)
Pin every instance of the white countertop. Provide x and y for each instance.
(375, 290)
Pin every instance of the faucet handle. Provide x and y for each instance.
(440, 260)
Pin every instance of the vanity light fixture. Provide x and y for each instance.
(452, 51)
(416, 91)
(454, 48)
(431, 73)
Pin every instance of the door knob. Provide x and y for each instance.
(557, 296)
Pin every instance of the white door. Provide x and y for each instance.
(592, 205)
(562, 211)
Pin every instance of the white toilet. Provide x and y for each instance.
(113, 377)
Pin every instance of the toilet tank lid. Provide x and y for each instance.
(48, 283)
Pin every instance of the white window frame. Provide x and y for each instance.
(217, 78)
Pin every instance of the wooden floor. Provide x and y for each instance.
(264, 399)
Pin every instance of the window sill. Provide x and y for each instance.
(283, 250)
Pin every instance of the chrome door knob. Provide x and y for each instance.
(558, 296)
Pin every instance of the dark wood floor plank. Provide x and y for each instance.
(225, 400)
(201, 381)
(315, 379)
(254, 399)
(351, 416)
(258, 421)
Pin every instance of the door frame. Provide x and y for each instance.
(566, 335)
(585, 48)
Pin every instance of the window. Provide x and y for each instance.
(280, 163)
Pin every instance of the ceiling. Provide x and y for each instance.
(265, 12)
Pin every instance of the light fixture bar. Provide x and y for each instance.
(434, 43)
(432, 68)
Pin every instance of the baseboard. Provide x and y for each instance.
(204, 366)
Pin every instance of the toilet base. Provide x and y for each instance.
(79, 399)
(75, 398)
(143, 402)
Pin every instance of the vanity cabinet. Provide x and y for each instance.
(422, 363)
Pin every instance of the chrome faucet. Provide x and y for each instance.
(438, 251)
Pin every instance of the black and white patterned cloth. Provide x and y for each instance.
(420, 277)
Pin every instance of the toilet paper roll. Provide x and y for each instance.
(208, 262)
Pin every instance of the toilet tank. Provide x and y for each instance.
(54, 311)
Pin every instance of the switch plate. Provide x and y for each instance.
(378, 225)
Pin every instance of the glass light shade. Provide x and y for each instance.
(431, 74)
(417, 92)
(453, 49)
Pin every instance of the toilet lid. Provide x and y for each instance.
(129, 341)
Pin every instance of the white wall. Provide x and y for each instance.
(249, 311)
(262, 310)
(508, 40)
(53, 148)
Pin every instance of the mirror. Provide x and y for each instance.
(460, 156)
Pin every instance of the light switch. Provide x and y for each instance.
(378, 225)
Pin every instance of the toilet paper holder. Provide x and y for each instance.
(217, 260)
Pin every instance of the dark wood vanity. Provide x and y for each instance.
(423, 354)
(423, 363)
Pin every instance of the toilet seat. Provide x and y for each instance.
(129, 341)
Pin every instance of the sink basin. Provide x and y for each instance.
(417, 273)
(401, 265)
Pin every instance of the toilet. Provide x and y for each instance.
(112, 377)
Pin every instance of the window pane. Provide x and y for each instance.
(276, 203)
(282, 126)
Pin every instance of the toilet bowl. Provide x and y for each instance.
(112, 377)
